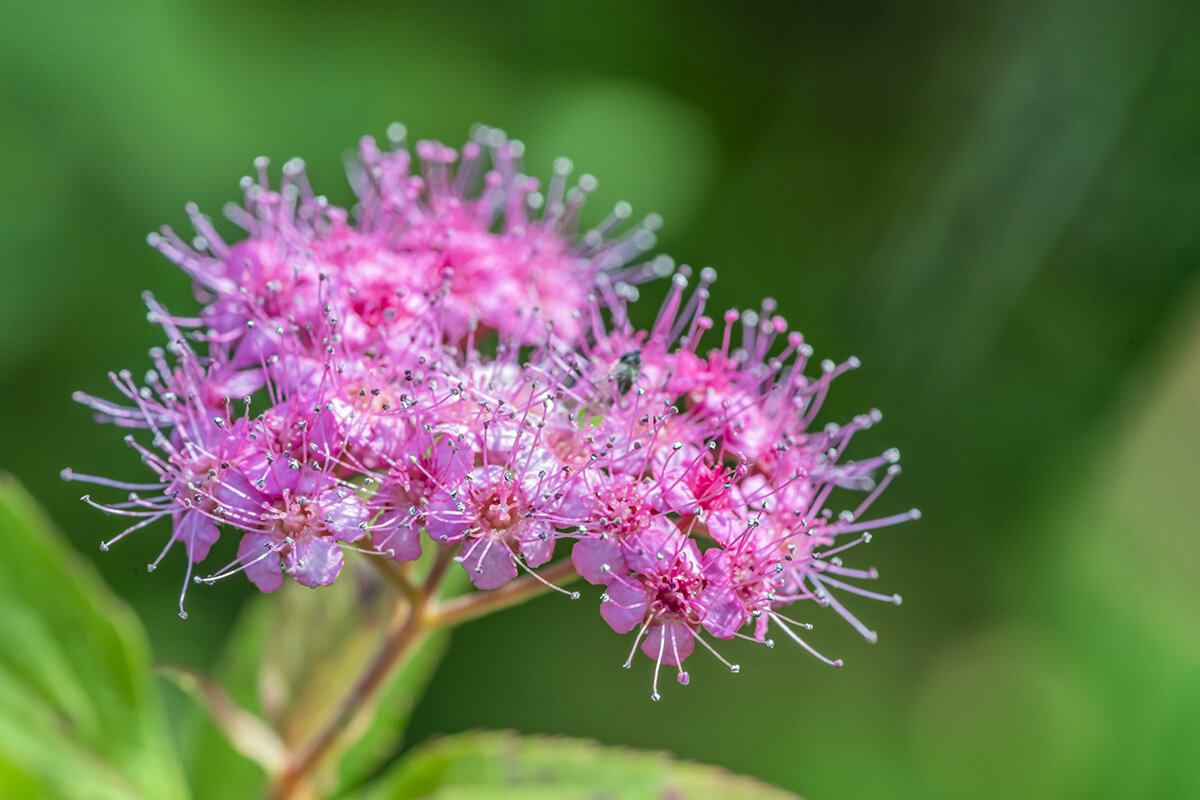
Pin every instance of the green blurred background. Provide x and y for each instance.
(994, 205)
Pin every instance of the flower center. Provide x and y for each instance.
(370, 399)
(299, 518)
(500, 515)
(676, 595)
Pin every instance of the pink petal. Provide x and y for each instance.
(592, 554)
(261, 563)
(197, 532)
(237, 493)
(661, 546)
(724, 612)
(315, 561)
(343, 517)
(443, 520)
(489, 567)
(678, 644)
(537, 551)
(403, 540)
(625, 607)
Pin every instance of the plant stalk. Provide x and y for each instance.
(407, 630)
(476, 604)
(418, 614)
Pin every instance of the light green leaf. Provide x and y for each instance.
(508, 766)
(1120, 560)
(289, 661)
(80, 715)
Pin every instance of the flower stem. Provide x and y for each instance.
(441, 563)
(476, 604)
(397, 575)
(418, 613)
(406, 631)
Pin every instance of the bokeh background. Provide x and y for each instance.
(994, 205)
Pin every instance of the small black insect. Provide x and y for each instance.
(627, 370)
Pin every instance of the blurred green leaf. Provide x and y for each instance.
(80, 716)
(290, 659)
(978, 691)
(1125, 587)
(487, 766)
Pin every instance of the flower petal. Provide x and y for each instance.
(197, 532)
(598, 560)
(676, 641)
(489, 564)
(315, 561)
(258, 556)
(400, 537)
(625, 607)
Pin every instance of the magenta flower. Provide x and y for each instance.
(298, 533)
(401, 502)
(670, 595)
(503, 255)
(453, 366)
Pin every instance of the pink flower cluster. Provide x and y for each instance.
(452, 365)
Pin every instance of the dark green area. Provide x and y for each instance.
(996, 206)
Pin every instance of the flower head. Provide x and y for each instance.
(452, 365)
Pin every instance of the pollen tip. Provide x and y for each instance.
(735, 668)
(837, 662)
(684, 678)
(183, 614)
(655, 696)
(397, 133)
(66, 474)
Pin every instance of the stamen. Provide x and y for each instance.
(796, 638)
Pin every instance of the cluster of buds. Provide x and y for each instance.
(452, 365)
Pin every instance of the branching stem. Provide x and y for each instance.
(419, 612)
(476, 604)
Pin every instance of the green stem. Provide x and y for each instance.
(397, 575)
(418, 613)
(476, 604)
(406, 630)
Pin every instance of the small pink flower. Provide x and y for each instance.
(668, 597)
(298, 534)
(432, 464)
(502, 516)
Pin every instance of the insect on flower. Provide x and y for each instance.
(627, 370)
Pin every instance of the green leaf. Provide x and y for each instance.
(292, 656)
(80, 715)
(508, 766)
